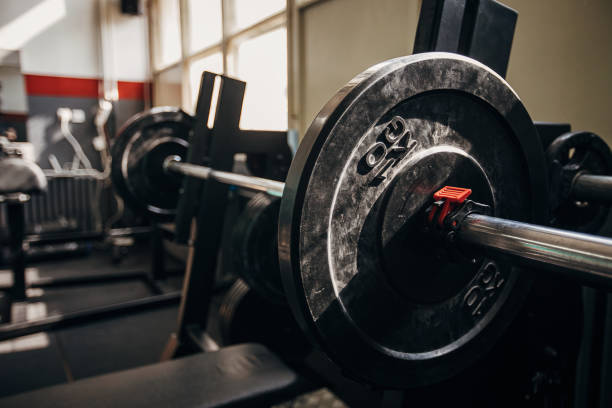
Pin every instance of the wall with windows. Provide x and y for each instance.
(560, 61)
(240, 38)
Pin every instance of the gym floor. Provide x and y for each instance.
(73, 353)
(104, 346)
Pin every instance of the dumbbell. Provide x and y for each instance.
(399, 288)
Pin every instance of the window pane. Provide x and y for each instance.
(212, 63)
(168, 33)
(249, 12)
(167, 88)
(262, 62)
(204, 23)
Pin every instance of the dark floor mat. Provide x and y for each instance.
(99, 261)
(74, 298)
(119, 343)
(30, 362)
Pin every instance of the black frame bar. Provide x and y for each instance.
(207, 199)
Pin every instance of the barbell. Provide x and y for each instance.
(396, 300)
(586, 257)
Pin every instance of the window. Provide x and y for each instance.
(249, 12)
(205, 28)
(244, 39)
(167, 33)
(261, 61)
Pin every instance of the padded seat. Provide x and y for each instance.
(241, 375)
(21, 176)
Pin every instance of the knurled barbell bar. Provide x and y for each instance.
(389, 305)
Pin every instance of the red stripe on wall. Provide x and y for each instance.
(43, 85)
(131, 90)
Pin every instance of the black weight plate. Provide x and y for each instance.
(245, 316)
(579, 151)
(255, 247)
(138, 153)
(357, 271)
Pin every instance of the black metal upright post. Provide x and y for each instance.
(199, 144)
(201, 270)
(479, 29)
(16, 224)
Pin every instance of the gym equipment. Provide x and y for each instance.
(173, 164)
(247, 316)
(580, 164)
(353, 207)
(244, 375)
(152, 136)
(482, 30)
(354, 263)
(254, 249)
(19, 179)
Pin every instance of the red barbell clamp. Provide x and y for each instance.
(448, 198)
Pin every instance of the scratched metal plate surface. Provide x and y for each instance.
(356, 274)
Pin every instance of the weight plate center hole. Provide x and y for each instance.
(421, 268)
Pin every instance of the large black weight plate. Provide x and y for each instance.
(255, 247)
(577, 152)
(383, 303)
(138, 153)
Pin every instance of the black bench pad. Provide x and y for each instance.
(241, 375)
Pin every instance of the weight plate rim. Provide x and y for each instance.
(229, 305)
(244, 227)
(296, 185)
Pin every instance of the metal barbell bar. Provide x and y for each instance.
(582, 256)
(592, 187)
(585, 257)
(272, 187)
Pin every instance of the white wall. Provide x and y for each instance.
(12, 94)
(62, 38)
(129, 44)
(69, 47)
